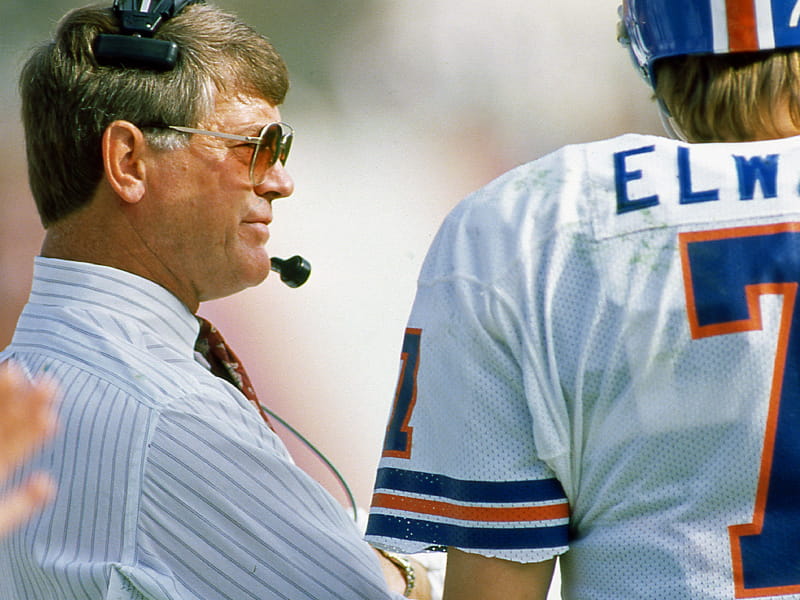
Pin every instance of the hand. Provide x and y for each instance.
(397, 582)
(422, 586)
(27, 420)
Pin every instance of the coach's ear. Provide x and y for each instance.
(123, 149)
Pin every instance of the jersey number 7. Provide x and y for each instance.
(725, 273)
(397, 442)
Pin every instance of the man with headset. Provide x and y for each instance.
(156, 149)
(602, 362)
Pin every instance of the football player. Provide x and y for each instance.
(602, 362)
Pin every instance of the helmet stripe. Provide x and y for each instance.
(742, 35)
(750, 26)
(766, 25)
(719, 25)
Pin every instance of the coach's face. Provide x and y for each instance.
(212, 222)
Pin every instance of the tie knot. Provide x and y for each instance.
(207, 337)
(224, 363)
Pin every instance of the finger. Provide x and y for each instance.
(27, 416)
(22, 502)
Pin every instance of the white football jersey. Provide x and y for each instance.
(603, 361)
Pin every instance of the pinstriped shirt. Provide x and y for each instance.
(170, 484)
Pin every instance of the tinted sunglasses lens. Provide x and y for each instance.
(287, 135)
(276, 140)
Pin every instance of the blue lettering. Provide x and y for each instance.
(757, 169)
(685, 178)
(622, 177)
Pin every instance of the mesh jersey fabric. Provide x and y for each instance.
(601, 363)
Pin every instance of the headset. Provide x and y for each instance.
(136, 48)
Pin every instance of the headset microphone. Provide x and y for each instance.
(294, 271)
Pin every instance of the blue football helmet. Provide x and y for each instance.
(657, 29)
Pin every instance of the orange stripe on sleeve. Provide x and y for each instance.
(471, 513)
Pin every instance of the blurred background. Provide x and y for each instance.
(401, 108)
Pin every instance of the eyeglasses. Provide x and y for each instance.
(272, 144)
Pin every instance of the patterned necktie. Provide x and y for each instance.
(225, 364)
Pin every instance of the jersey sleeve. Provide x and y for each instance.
(461, 464)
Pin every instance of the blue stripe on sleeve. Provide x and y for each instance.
(429, 484)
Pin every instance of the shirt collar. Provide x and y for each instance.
(98, 287)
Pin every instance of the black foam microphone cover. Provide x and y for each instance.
(294, 271)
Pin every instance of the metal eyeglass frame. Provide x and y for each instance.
(281, 151)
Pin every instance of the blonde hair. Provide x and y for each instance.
(730, 97)
(68, 99)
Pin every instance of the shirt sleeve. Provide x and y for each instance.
(462, 463)
(224, 517)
